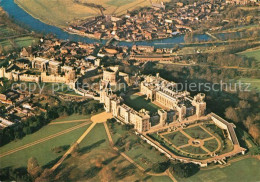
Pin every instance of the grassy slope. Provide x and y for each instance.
(72, 117)
(140, 153)
(244, 170)
(41, 151)
(251, 54)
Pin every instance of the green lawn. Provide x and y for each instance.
(197, 132)
(25, 41)
(251, 82)
(211, 145)
(43, 132)
(160, 179)
(96, 139)
(43, 151)
(72, 117)
(142, 153)
(18, 42)
(97, 161)
(194, 150)
(119, 2)
(241, 171)
(251, 54)
(6, 31)
(177, 138)
(139, 102)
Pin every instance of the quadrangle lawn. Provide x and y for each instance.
(42, 152)
(244, 170)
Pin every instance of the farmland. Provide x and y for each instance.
(62, 12)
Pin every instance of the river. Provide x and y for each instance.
(21, 16)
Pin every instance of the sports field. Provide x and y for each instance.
(62, 12)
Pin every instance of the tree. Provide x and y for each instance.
(160, 167)
(232, 114)
(254, 131)
(185, 170)
(33, 167)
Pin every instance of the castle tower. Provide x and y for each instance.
(163, 116)
(2, 72)
(200, 105)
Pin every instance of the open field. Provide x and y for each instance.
(43, 151)
(72, 117)
(244, 170)
(253, 83)
(251, 53)
(43, 132)
(19, 42)
(139, 102)
(62, 12)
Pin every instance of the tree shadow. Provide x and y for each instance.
(107, 161)
(126, 171)
(90, 147)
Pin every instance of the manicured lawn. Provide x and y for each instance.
(43, 151)
(177, 138)
(96, 139)
(241, 171)
(194, 150)
(211, 145)
(43, 132)
(139, 102)
(197, 132)
(72, 117)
